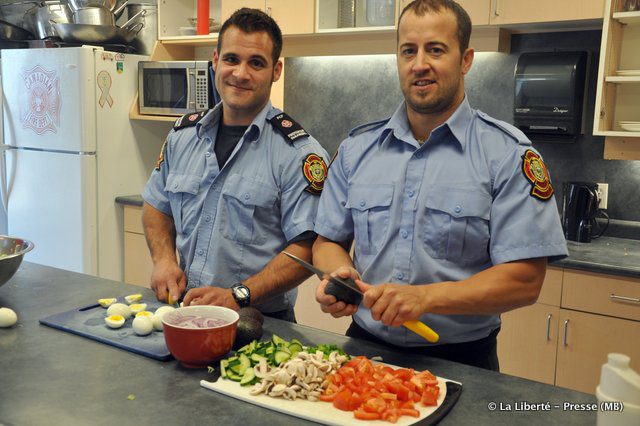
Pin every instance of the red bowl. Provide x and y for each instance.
(198, 347)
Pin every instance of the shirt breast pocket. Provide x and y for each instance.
(456, 226)
(370, 208)
(245, 202)
(182, 190)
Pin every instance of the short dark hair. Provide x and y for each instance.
(422, 7)
(253, 21)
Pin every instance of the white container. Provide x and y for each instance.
(618, 383)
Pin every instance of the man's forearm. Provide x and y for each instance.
(160, 233)
(281, 274)
(329, 255)
(498, 289)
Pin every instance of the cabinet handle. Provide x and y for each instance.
(549, 327)
(495, 8)
(566, 323)
(615, 298)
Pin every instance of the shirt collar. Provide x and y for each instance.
(210, 122)
(457, 124)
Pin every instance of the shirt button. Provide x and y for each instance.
(214, 187)
(410, 193)
(457, 209)
(363, 203)
(208, 154)
(207, 218)
(175, 185)
(400, 275)
(247, 196)
(200, 252)
(419, 155)
(404, 234)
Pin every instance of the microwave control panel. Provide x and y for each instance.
(202, 90)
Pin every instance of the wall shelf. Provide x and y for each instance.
(622, 79)
(632, 18)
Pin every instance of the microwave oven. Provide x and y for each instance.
(175, 87)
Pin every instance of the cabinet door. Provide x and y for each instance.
(137, 260)
(293, 17)
(230, 6)
(585, 341)
(527, 342)
(478, 10)
(527, 11)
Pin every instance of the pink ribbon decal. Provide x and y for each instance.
(104, 83)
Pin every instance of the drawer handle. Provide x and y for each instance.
(566, 324)
(615, 298)
(549, 327)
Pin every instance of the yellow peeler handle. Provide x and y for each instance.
(422, 330)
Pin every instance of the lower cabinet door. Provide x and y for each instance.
(527, 342)
(584, 343)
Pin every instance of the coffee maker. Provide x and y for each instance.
(579, 209)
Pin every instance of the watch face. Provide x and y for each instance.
(241, 292)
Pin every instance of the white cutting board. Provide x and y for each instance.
(320, 411)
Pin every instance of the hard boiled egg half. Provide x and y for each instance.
(105, 303)
(157, 317)
(137, 307)
(119, 309)
(114, 321)
(133, 298)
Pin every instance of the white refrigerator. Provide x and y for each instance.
(69, 150)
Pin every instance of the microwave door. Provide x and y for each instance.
(166, 90)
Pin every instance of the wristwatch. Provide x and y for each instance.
(241, 294)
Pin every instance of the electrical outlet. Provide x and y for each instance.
(603, 195)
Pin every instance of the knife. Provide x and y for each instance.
(417, 327)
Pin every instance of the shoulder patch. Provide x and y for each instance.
(537, 174)
(161, 155)
(289, 128)
(188, 120)
(506, 127)
(367, 127)
(315, 171)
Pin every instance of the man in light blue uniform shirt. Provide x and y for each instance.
(451, 211)
(235, 186)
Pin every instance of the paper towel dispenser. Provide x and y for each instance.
(549, 94)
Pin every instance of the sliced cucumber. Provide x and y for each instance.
(281, 357)
(278, 340)
(247, 377)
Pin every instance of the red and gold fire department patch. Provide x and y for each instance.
(315, 171)
(536, 172)
(161, 156)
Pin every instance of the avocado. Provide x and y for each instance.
(249, 329)
(250, 312)
(345, 294)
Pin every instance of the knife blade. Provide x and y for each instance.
(417, 327)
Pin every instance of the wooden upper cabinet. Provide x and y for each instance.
(527, 11)
(478, 10)
(230, 6)
(293, 17)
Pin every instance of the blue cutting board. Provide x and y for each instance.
(89, 322)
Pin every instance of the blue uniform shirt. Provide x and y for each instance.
(443, 211)
(230, 223)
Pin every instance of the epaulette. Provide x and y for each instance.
(188, 120)
(512, 131)
(289, 128)
(367, 127)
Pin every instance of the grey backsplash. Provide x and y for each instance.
(331, 95)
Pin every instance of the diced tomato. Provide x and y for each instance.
(408, 404)
(355, 402)
(402, 392)
(409, 412)
(403, 373)
(388, 395)
(375, 405)
(430, 395)
(342, 399)
(391, 415)
(365, 415)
